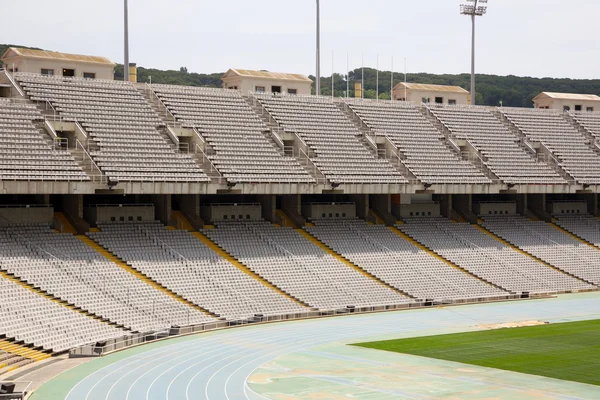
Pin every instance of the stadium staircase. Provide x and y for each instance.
(464, 155)
(516, 248)
(431, 252)
(550, 160)
(592, 141)
(347, 262)
(111, 257)
(367, 139)
(14, 355)
(275, 129)
(242, 267)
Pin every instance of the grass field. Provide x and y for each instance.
(569, 351)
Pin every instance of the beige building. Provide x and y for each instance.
(567, 101)
(422, 93)
(267, 82)
(60, 64)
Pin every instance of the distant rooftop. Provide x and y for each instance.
(266, 75)
(431, 88)
(567, 96)
(54, 55)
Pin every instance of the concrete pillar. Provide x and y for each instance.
(162, 208)
(73, 205)
(268, 205)
(521, 201)
(362, 205)
(446, 205)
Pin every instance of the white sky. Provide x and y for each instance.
(541, 38)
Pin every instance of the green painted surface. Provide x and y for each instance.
(568, 351)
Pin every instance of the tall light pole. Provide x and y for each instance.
(126, 62)
(473, 9)
(318, 77)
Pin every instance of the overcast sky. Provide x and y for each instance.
(541, 38)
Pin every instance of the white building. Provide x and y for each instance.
(424, 93)
(567, 101)
(267, 82)
(54, 63)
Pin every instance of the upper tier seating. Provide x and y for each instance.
(590, 121)
(24, 154)
(120, 123)
(584, 226)
(234, 132)
(549, 244)
(179, 261)
(397, 262)
(426, 154)
(569, 146)
(486, 257)
(497, 145)
(62, 265)
(288, 260)
(34, 319)
(332, 137)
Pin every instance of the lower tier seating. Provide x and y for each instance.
(399, 263)
(486, 257)
(548, 243)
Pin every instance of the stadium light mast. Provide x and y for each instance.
(473, 9)
(126, 61)
(318, 77)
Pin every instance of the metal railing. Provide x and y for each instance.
(206, 159)
(86, 157)
(14, 83)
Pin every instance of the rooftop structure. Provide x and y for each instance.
(425, 93)
(246, 81)
(567, 101)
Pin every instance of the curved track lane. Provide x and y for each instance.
(218, 365)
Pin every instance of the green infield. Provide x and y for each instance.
(568, 351)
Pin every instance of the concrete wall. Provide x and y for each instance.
(26, 215)
(417, 209)
(246, 85)
(569, 208)
(329, 210)
(495, 208)
(119, 213)
(35, 66)
(231, 212)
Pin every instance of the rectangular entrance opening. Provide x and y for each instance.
(68, 72)
(275, 89)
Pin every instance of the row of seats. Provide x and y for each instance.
(496, 144)
(333, 140)
(425, 152)
(65, 267)
(25, 155)
(125, 141)
(234, 133)
(569, 147)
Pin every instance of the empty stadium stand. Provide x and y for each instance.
(124, 139)
(584, 226)
(65, 267)
(235, 138)
(562, 141)
(332, 141)
(487, 258)
(25, 316)
(25, 153)
(496, 145)
(181, 262)
(285, 258)
(398, 262)
(420, 145)
(549, 244)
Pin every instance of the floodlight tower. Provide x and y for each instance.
(318, 77)
(473, 9)
(126, 29)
